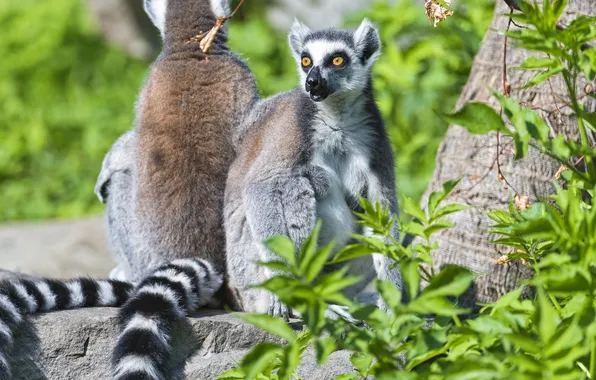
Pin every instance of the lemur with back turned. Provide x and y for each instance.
(307, 154)
(169, 176)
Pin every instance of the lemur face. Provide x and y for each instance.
(334, 61)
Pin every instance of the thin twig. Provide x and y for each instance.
(205, 39)
(507, 93)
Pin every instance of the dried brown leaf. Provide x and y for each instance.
(435, 12)
(522, 202)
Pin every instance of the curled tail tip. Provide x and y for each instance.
(146, 320)
(136, 367)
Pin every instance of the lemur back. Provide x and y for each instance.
(185, 119)
(308, 154)
(164, 182)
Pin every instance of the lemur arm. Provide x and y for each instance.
(280, 205)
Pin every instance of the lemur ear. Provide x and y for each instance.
(367, 42)
(296, 37)
(156, 10)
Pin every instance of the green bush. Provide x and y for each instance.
(65, 96)
(544, 329)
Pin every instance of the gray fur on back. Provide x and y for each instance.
(114, 188)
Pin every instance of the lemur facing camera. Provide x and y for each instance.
(164, 183)
(307, 154)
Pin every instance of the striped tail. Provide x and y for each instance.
(167, 296)
(20, 297)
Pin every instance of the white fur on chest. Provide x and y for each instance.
(344, 152)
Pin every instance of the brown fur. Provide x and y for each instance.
(187, 113)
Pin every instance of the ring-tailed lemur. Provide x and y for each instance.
(168, 211)
(186, 116)
(307, 154)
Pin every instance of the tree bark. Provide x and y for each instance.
(473, 157)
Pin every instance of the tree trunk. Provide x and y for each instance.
(473, 157)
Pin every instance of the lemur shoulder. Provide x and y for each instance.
(307, 154)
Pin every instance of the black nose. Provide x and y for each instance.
(313, 79)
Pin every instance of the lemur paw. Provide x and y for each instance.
(279, 309)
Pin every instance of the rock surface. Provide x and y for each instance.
(76, 345)
(59, 249)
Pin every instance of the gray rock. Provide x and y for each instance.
(77, 344)
(59, 249)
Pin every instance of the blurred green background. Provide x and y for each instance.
(66, 94)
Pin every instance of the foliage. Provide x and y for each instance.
(66, 96)
(546, 328)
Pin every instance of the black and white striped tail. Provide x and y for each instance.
(146, 320)
(20, 297)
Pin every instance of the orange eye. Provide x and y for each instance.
(337, 61)
(306, 61)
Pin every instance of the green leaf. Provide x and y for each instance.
(411, 277)
(543, 76)
(538, 63)
(526, 363)
(449, 209)
(524, 342)
(589, 117)
(361, 361)
(527, 123)
(587, 63)
(477, 118)
(412, 207)
(335, 282)
(278, 266)
(437, 197)
(452, 280)
(558, 8)
(289, 361)
(435, 305)
(570, 337)
(501, 217)
(283, 247)
(390, 294)
(347, 376)
(352, 251)
(507, 299)
(259, 358)
(232, 374)
(324, 348)
(437, 226)
(274, 325)
(546, 317)
(488, 325)
(308, 251)
(318, 261)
